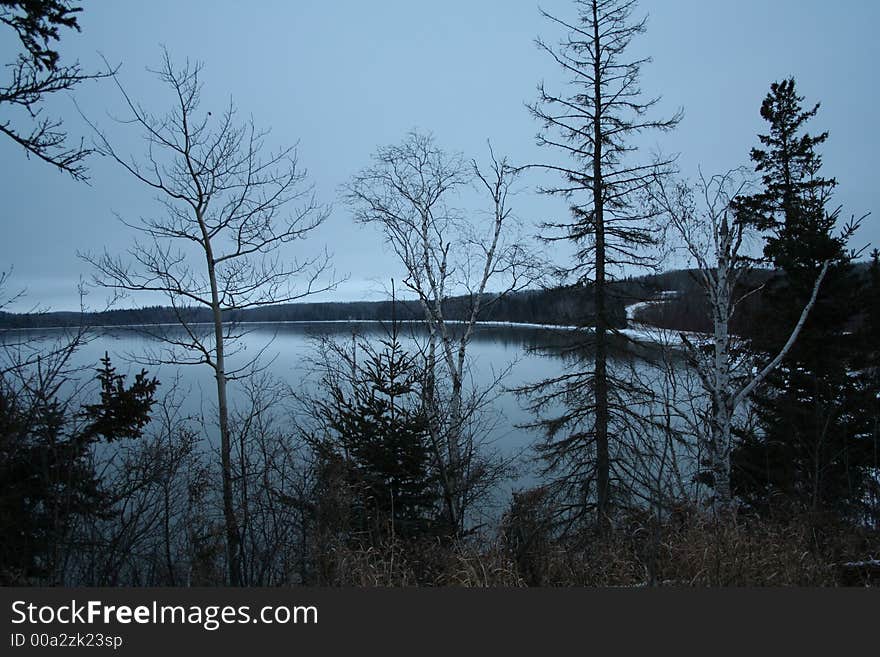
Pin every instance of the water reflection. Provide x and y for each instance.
(286, 349)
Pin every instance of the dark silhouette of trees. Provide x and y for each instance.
(811, 451)
(47, 475)
(561, 305)
(376, 425)
(229, 208)
(869, 377)
(872, 312)
(123, 411)
(36, 73)
(594, 124)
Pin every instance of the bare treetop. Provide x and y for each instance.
(411, 190)
(220, 193)
(593, 122)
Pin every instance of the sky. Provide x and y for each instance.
(342, 78)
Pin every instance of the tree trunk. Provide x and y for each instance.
(233, 540)
(455, 455)
(232, 537)
(603, 466)
(722, 410)
(719, 460)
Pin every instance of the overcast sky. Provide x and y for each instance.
(342, 77)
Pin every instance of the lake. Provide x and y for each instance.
(286, 349)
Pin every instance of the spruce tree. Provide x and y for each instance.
(378, 430)
(47, 473)
(808, 451)
(594, 123)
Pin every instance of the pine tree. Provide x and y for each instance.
(808, 452)
(123, 411)
(47, 476)
(594, 124)
(378, 427)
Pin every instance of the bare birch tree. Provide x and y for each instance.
(228, 209)
(713, 238)
(408, 192)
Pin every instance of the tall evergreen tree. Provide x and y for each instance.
(594, 124)
(809, 450)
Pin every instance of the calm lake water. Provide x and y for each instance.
(286, 349)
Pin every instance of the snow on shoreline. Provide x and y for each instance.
(560, 327)
(641, 332)
(659, 298)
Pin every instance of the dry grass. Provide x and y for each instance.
(693, 552)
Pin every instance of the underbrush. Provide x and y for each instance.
(635, 553)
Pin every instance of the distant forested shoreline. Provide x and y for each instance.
(562, 305)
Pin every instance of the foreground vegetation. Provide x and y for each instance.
(749, 456)
(640, 553)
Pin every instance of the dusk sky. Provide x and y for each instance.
(344, 77)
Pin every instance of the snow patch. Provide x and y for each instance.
(641, 332)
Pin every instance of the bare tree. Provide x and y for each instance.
(408, 192)
(269, 462)
(714, 238)
(36, 73)
(217, 246)
(594, 124)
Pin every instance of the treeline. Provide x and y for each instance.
(569, 305)
(688, 309)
